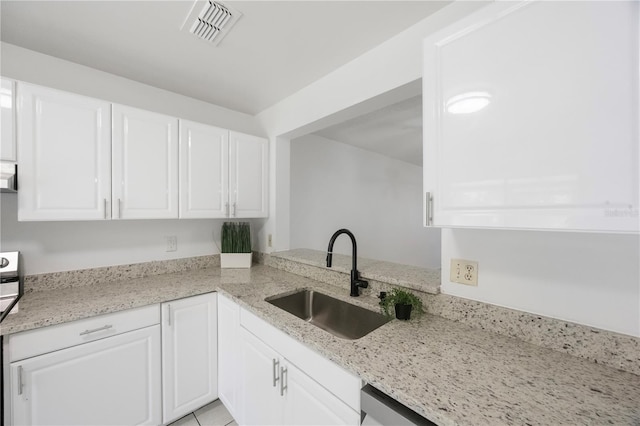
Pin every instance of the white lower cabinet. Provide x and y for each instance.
(113, 381)
(275, 392)
(228, 348)
(259, 382)
(189, 355)
(308, 403)
(286, 383)
(143, 366)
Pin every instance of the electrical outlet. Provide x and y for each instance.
(269, 241)
(464, 272)
(172, 243)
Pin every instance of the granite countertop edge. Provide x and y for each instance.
(432, 396)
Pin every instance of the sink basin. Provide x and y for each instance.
(339, 318)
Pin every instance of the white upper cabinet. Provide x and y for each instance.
(204, 171)
(248, 165)
(85, 159)
(145, 164)
(531, 118)
(64, 149)
(7, 120)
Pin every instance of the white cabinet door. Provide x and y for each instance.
(261, 400)
(248, 181)
(145, 164)
(113, 381)
(308, 403)
(556, 144)
(228, 358)
(189, 355)
(7, 120)
(64, 149)
(204, 173)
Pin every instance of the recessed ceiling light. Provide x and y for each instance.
(468, 102)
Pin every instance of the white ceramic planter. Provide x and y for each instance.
(235, 260)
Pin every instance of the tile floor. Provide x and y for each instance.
(214, 414)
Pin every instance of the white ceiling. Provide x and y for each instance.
(275, 49)
(394, 131)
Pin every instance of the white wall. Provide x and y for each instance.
(592, 279)
(334, 185)
(60, 246)
(392, 64)
(33, 67)
(64, 246)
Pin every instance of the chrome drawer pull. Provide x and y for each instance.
(20, 384)
(283, 386)
(106, 327)
(275, 372)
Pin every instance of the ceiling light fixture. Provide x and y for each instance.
(468, 102)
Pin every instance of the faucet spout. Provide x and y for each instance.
(356, 282)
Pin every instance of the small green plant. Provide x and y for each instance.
(402, 297)
(236, 237)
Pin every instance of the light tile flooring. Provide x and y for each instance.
(214, 414)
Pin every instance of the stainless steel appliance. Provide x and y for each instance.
(8, 177)
(11, 285)
(380, 409)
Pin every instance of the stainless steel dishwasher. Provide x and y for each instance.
(380, 409)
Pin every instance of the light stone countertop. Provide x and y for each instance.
(446, 371)
(413, 277)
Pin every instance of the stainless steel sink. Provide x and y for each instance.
(339, 318)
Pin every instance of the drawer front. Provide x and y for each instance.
(48, 339)
(330, 375)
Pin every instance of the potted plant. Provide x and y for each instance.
(403, 303)
(236, 245)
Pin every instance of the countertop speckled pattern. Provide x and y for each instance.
(422, 279)
(446, 371)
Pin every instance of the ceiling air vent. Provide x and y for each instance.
(210, 20)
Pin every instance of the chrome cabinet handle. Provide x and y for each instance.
(169, 314)
(234, 209)
(104, 206)
(20, 384)
(106, 327)
(276, 363)
(119, 209)
(226, 208)
(429, 209)
(283, 386)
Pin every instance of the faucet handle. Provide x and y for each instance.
(362, 283)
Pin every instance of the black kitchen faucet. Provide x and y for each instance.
(356, 282)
